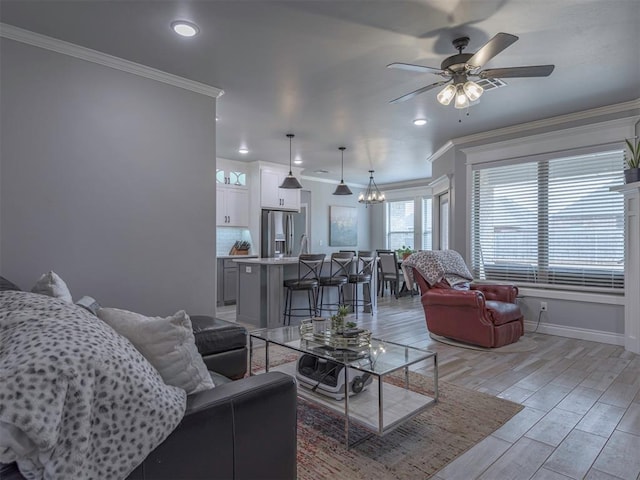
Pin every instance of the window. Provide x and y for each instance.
(551, 222)
(399, 224)
(427, 224)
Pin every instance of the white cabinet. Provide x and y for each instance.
(272, 196)
(232, 207)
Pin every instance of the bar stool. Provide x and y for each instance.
(364, 272)
(340, 268)
(309, 268)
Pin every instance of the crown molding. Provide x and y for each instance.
(406, 185)
(547, 122)
(610, 132)
(93, 56)
(441, 151)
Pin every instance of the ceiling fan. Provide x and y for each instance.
(459, 70)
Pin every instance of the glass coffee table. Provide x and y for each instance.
(358, 391)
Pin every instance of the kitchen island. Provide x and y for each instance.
(261, 293)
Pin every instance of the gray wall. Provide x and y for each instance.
(321, 199)
(107, 179)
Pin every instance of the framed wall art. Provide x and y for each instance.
(343, 226)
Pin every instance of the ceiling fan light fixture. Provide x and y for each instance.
(342, 188)
(290, 182)
(446, 94)
(472, 90)
(461, 98)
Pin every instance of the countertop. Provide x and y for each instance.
(224, 257)
(267, 261)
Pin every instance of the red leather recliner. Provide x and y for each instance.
(484, 315)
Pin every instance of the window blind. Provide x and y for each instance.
(400, 224)
(551, 222)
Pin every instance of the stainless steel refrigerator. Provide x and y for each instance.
(281, 233)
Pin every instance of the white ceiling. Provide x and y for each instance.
(318, 68)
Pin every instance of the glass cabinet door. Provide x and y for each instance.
(221, 178)
(234, 178)
(237, 178)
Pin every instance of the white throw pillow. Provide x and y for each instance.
(52, 285)
(167, 343)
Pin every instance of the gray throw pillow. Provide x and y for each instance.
(167, 343)
(52, 285)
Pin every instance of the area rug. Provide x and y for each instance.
(416, 450)
(525, 344)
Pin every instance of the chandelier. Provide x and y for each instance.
(462, 89)
(372, 195)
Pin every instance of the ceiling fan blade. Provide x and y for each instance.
(418, 92)
(415, 68)
(514, 72)
(492, 48)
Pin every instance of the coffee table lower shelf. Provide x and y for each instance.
(398, 406)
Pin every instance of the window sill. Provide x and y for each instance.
(570, 295)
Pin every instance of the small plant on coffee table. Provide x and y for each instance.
(337, 320)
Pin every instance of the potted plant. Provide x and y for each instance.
(632, 159)
(337, 320)
(404, 252)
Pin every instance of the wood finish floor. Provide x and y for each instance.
(582, 401)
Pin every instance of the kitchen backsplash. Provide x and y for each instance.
(227, 236)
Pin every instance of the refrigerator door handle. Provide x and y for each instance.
(289, 234)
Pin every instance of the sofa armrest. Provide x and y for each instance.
(501, 293)
(242, 430)
(454, 298)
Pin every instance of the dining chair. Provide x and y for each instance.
(391, 272)
(381, 284)
(309, 268)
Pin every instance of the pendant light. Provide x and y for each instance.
(342, 188)
(372, 195)
(290, 182)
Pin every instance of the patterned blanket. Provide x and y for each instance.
(77, 400)
(437, 265)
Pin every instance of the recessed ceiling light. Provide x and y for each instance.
(243, 151)
(184, 28)
(420, 121)
(297, 161)
(217, 118)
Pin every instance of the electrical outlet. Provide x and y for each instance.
(543, 306)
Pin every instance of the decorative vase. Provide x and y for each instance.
(632, 175)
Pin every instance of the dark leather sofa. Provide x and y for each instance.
(243, 429)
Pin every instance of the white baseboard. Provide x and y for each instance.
(576, 332)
